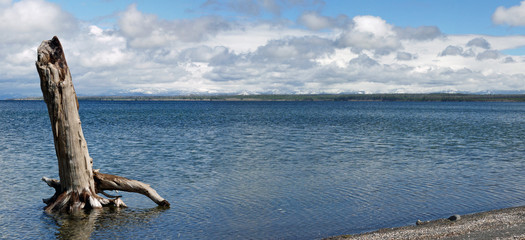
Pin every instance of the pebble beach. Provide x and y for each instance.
(508, 223)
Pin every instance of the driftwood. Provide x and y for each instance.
(79, 185)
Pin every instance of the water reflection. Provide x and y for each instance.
(83, 224)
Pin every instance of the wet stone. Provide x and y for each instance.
(454, 217)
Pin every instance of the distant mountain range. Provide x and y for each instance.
(424, 97)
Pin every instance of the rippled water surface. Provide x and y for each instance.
(268, 170)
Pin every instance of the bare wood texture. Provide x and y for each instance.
(113, 182)
(76, 188)
(74, 163)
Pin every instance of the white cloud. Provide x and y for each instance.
(479, 42)
(370, 32)
(204, 54)
(247, 37)
(147, 31)
(143, 30)
(513, 16)
(489, 54)
(31, 20)
(136, 24)
(374, 25)
(146, 54)
(452, 51)
(314, 21)
(97, 48)
(404, 56)
(418, 33)
(364, 60)
(339, 58)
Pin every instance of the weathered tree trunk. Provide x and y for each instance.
(78, 187)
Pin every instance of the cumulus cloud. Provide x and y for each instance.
(203, 54)
(364, 60)
(452, 51)
(314, 21)
(24, 24)
(479, 42)
(146, 30)
(509, 60)
(513, 16)
(419, 33)
(31, 20)
(404, 56)
(370, 32)
(373, 25)
(308, 47)
(147, 54)
(489, 54)
(4, 3)
(136, 24)
(468, 53)
(105, 48)
(457, 51)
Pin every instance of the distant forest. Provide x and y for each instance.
(432, 97)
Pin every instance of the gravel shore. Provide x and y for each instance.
(508, 223)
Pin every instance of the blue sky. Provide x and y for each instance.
(268, 46)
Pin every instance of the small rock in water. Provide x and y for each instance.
(454, 217)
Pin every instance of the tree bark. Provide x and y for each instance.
(77, 188)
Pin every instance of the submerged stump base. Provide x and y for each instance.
(71, 201)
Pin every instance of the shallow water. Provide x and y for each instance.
(268, 170)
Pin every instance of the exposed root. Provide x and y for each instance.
(72, 201)
(112, 182)
(54, 184)
(109, 195)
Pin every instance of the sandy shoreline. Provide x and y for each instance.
(508, 223)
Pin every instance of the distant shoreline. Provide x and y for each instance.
(430, 97)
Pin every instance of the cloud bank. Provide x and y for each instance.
(145, 54)
(513, 16)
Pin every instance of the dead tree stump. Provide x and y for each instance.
(79, 185)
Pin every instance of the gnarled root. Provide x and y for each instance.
(74, 200)
(71, 201)
(54, 184)
(112, 182)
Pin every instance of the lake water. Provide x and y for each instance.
(268, 170)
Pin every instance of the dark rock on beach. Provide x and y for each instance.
(454, 217)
